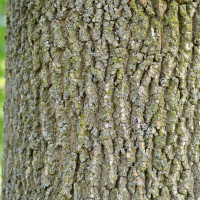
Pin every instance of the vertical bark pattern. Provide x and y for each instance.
(102, 100)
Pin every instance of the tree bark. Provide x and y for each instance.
(102, 100)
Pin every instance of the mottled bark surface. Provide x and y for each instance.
(102, 100)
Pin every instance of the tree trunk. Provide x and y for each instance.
(102, 100)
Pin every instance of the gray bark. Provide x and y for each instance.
(102, 100)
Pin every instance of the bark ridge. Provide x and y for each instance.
(102, 100)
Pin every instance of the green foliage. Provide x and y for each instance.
(2, 6)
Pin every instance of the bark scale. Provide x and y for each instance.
(102, 100)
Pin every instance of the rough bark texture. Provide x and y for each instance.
(102, 100)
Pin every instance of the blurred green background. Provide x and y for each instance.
(2, 63)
